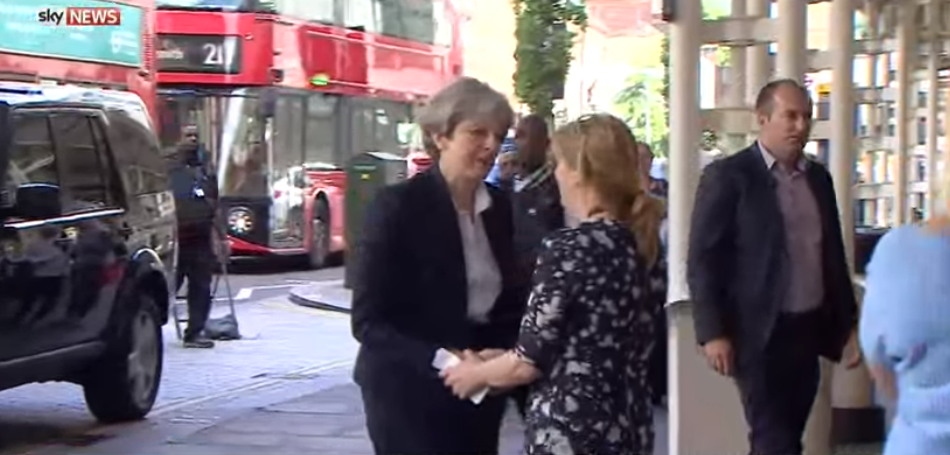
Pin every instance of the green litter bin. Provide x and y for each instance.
(366, 174)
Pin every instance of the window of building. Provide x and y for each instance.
(921, 130)
(920, 169)
(321, 129)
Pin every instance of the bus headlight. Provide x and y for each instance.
(240, 220)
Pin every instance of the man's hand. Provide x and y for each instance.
(851, 357)
(719, 356)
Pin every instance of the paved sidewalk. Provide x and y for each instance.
(327, 422)
(283, 343)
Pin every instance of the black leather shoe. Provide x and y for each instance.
(199, 342)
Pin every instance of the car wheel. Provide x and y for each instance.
(320, 236)
(123, 385)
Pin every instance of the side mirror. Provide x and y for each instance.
(35, 201)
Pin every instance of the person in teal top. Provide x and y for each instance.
(905, 335)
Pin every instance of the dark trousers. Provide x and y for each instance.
(424, 418)
(196, 262)
(520, 396)
(778, 386)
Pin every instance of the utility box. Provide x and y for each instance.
(366, 174)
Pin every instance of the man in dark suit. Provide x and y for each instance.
(536, 200)
(767, 271)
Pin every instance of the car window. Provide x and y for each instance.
(31, 153)
(81, 162)
(140, 159)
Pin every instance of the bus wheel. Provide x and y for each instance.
(320, 235)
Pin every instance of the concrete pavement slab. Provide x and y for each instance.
(327, 422)
(284, 343)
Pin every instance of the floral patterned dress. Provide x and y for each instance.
(590, 330)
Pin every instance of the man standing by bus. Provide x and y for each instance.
(196, 200)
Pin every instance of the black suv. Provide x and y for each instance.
(88, 245)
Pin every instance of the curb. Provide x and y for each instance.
(306, 297)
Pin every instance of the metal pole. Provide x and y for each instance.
(905, 107)
(792, 39)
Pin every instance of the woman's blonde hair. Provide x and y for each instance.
(465, 99)
(602, 149)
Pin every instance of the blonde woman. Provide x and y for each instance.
(905, 334)
(586, 340)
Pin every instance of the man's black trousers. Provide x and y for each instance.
(196, 263)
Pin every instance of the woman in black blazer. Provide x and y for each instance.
(434, 270)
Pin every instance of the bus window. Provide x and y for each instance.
(321, 129)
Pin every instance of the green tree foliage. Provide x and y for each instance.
(642, 106)
(543, 53)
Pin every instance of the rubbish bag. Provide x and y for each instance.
(224, 328)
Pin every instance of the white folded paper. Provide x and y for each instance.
(444, 359)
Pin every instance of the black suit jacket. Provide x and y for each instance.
(410, 287)
(738, 268)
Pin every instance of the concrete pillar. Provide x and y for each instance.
(906, 105)
(685, 138)
(737, 82)
(757, 58)
(705, 415)
(842, 144)
(933, 92)
(852, 393)
(792, 39)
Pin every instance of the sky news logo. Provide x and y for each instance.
(81, 16)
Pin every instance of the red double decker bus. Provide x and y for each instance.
(116, 57)
(285, 92)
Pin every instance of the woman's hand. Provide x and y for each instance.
(488, 354)
(465, 379)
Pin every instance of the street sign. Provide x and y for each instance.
(824, 89)
(21, 32)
